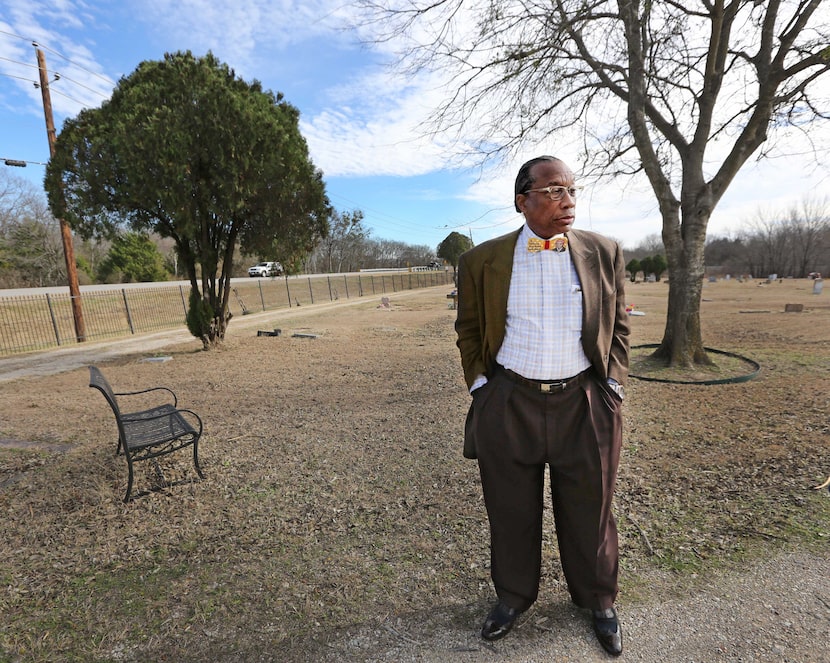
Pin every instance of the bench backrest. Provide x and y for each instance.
(99, 382)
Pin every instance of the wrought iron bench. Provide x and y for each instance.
(150, 433)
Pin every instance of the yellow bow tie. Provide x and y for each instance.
(558, 244)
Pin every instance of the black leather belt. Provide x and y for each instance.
(546, 386)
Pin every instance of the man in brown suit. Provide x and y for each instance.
(543, 335)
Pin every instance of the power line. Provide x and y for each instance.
(58, 75)
(20, 78)
(11, 34)
(22, 64)
(54, 91)
(387, 219)
(66, 78)
(37, 44)
(74, 64)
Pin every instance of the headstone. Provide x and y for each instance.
(793, 308)
(818, 284)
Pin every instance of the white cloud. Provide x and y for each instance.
(371, 124)
(376, 128)
(246, 32)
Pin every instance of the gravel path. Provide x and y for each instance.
(776, 611)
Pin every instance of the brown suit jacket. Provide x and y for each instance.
(484, 283)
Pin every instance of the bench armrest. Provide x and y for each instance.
(195, 419)
(146, 391)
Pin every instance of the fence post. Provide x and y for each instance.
(127, 309)
(184, 303)
(346, 284)
(54, 321)
(261, 296)
(310, 290)
(328, 280)
(288, 291)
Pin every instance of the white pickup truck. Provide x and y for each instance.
(265, 269)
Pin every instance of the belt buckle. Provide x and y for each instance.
(551, 387)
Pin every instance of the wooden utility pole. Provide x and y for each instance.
(66, 232)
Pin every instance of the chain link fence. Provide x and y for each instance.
(32, 323)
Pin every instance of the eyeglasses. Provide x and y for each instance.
(556, 193)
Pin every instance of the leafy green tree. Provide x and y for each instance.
(646, 266)
(682, 93)
(659, 265)
(133, 257)
(452, 247)
(633, 266)
(187, 150)
(199, 313)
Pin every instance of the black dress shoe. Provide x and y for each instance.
(609, 633)
(499, 622)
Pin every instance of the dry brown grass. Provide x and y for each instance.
(336, 492)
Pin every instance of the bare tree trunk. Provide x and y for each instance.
(682, 344)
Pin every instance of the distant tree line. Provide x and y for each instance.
(351, 247)
(794, 242)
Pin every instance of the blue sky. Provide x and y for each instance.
(361, 120)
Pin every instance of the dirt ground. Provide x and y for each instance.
(338, 520)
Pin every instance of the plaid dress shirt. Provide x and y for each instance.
(543, 337)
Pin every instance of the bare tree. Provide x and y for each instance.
(789, 243)
(340, 250)
(767, 242)
(684, 92)
(19, 200)
(807, 228)
(652, 244)
(31, 253)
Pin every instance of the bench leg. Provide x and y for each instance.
(129, 479)
(196, 459)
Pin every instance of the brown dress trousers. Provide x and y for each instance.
(577, 433)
